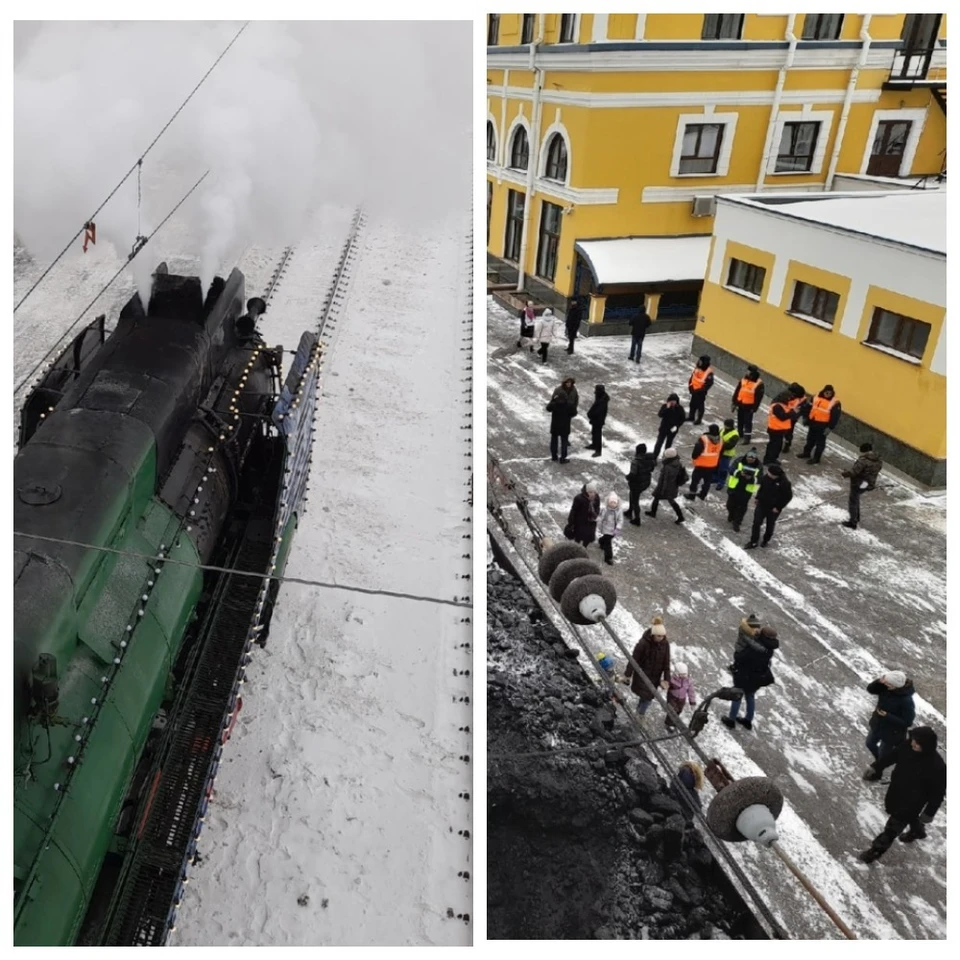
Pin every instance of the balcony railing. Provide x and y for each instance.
(912, 64)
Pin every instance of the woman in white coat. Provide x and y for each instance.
(543, 332)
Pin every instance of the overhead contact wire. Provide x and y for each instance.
(136, 165)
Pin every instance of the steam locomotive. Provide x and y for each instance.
(160, 476)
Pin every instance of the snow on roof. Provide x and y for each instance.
(915, 218)
(646, 259)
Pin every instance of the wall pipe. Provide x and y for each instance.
(865, 40)
(777, 98)
(534, 157)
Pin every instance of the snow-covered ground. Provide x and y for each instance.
(846, 604)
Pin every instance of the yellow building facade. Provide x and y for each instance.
(608, 126)
(845, 289)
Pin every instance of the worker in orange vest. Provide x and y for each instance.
(780, 422)
(822, 417)
(797, 404)
(746, 402)
(706, 457)
(701, 380)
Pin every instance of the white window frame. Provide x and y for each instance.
(576, 30)
(518, 121)
(917, 116)
(806, 115)
(555, 127)
(729, 123)
(495, 162)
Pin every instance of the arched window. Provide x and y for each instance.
(520, 150)
(491, 142)
(556, 159)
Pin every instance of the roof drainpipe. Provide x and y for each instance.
(777, 97)
(865, 40)
(534, 157)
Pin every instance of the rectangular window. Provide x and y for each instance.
(822, 26)
(515, 204)
(889, 144)
(567, 23)
(549, 241)
(493, 29)
(798, 143)
(722, 26)
(700, 152)
(746, 276)
(899, 333)
(815, 302)
(526, 31)
(920, 31)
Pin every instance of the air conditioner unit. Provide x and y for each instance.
(704, 206)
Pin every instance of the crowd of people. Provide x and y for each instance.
(917, 786)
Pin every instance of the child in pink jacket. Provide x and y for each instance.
(680, 692)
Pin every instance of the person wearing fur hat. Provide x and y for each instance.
(865, 470)
(543, 331)
(609, 525)
(798, 405)
(706, 458)
(672, 417)
(597, 415)
(747, 634)
(652, 656)
(774, 494)
(584, 512)
(917, 788)
(893, 715)
(751, 671)
(641, 474)
(822, 416)
(746, 401)
(699, 384)
(743, 483)
(673, 476)
(688, 781)
(680, 692)
(562, 409)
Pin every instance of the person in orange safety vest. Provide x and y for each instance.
(798, 403)
(780, 422)
(746, 402)
(706, 457)
(701, 380)
(822, 417)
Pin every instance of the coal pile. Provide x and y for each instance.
(589, 844)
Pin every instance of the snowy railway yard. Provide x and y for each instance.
(349, 766)
(847, 605)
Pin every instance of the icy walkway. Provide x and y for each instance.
(846, 604)
(336, 817)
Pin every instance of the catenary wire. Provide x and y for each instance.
(136, 165)
(149, 558)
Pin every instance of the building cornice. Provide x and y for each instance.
(585, 196)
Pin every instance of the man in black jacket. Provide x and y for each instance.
(562, 409)
(892, 717)
(638, 479)
(917, 788)
(865, 470)
(597, 415)
(638, 330)
(774, 494)
(672, 417)
(746, 402)
(572, 323)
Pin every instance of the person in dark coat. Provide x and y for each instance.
(746, 401)
(701, 380)
(780, 421)
(639, 324)
(652, 656)
(917, 788)
(673, 476)
(582, 521)
(774, 494)
(743, 483)
(597, 415)
(638, 479)
(572, 323)
(672, 417)
(892, 717)
(688, 781)
(562, 409)
(798, 405)
(751, 671)
(821, 415)
(528, 317)
(863, 477)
